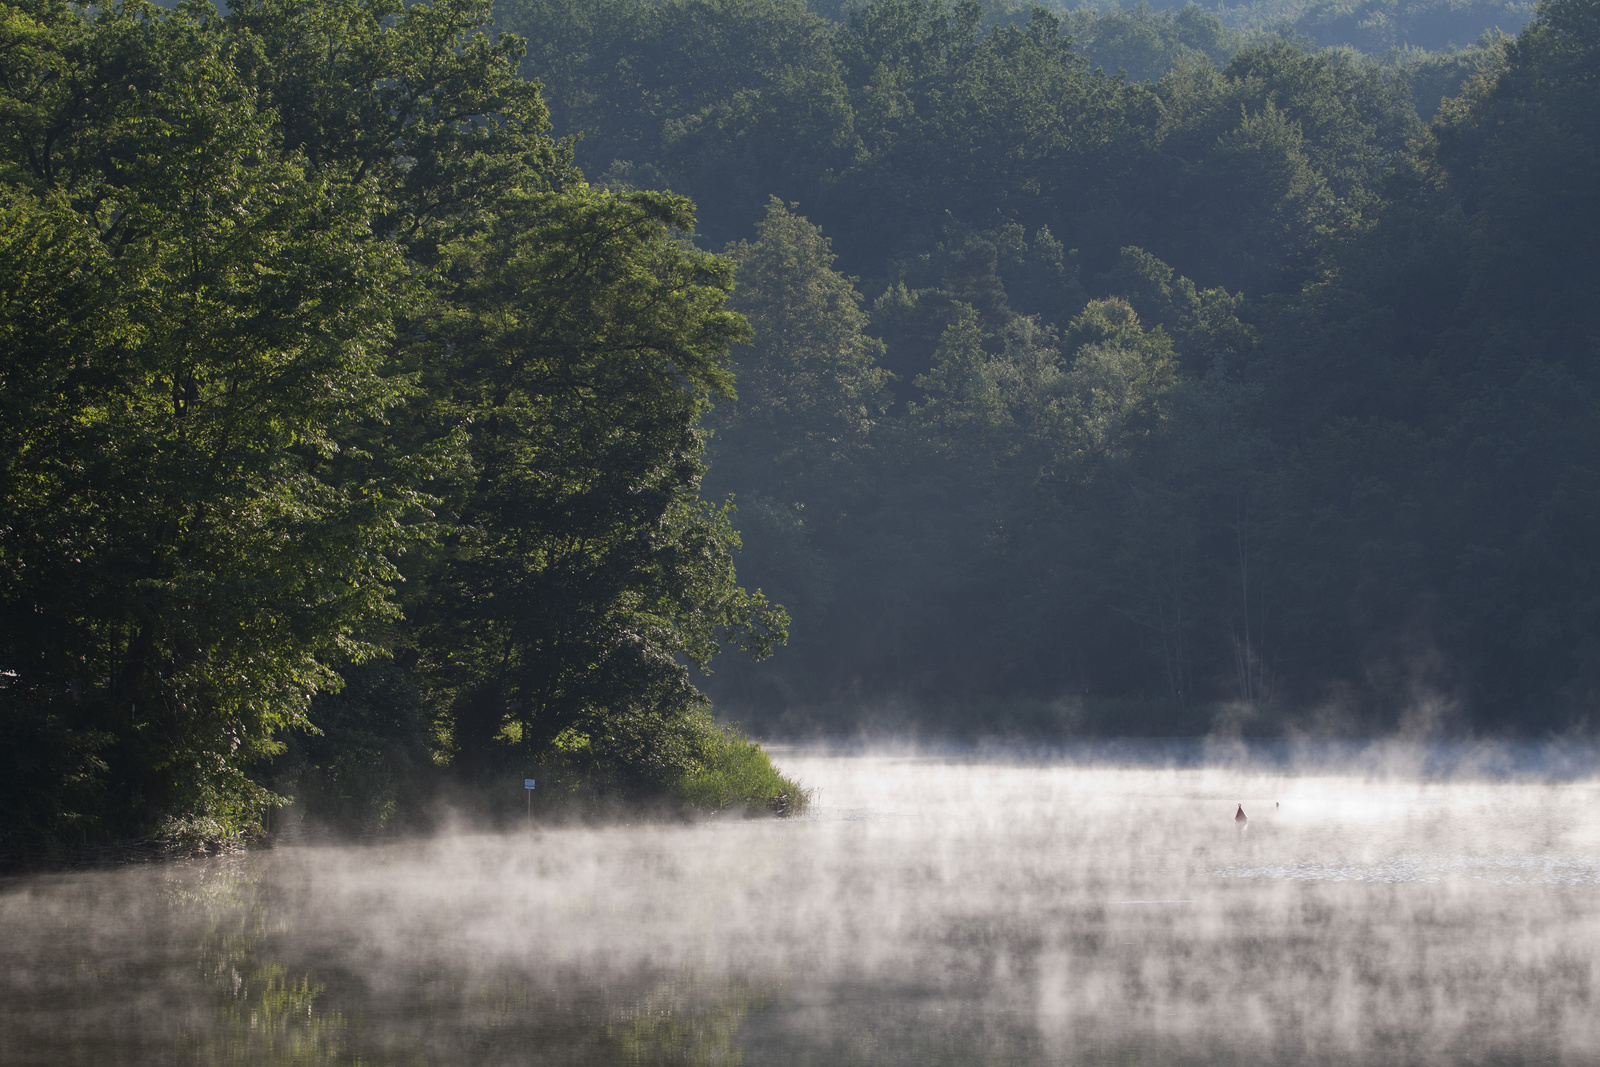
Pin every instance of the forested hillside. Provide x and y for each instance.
(1240, 388)
(357, 447)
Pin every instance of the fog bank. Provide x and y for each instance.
(931, 909)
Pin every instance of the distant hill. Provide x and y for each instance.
(1121, 35)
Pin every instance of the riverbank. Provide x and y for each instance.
(734, 778)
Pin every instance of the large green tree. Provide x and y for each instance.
(196, 332)
(290, 293)
(583, 571)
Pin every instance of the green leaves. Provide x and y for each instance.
(189, 553)
(286, 294)
(418, 103)
(582, 345)
(810, 389)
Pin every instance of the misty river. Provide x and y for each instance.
(1097, 906)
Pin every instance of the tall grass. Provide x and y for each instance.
(735, 774)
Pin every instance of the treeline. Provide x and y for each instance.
(1392, 30)
(357, 448)
(348, 438)
(1241, 387)
(1434, 47)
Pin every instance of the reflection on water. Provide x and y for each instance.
(929, 911)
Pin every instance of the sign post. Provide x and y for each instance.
(527, 783)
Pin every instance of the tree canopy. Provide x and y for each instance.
(320, 353)
(351, 438)
(1237, 386)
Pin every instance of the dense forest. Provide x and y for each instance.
(1238, 385)
(339, 409)
(390, 392)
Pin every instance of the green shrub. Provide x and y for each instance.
(733, 773)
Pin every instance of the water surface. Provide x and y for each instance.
(929, 910)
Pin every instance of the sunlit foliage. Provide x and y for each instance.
(303, 305)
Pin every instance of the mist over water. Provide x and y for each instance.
(929, 910)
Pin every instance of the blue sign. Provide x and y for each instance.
(527, 783)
